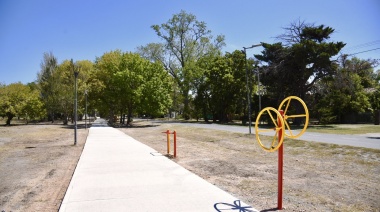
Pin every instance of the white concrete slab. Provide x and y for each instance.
(117, 173)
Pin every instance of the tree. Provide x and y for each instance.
(64, 79)
(221, 91)
(49, 83)
(294, 67)
(374, 96)
(186, 40)
(126, 82)
(56, 84)
(364, 68)
(103, 89)
(34, 107)
(17, 99)
(345, 94)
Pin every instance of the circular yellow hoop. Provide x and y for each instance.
(279, 128)
(285, 106)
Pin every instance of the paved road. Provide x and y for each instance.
(370, 140)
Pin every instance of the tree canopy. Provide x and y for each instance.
(127, 83)
(185, 40)
(17, 99)
(294, 67)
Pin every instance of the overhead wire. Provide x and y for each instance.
(368, 44)
(363, 51)
(361, 46)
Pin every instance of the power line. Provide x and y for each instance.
(368, 44)
(363, 51)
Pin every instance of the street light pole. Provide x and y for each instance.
(76, 72)
(85, 115)
(248, 89)
(259, 88)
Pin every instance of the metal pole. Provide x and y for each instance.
(76, 108)
(259, 88)
(280, 165)
(248, 90)
(168, 140)
(175, 144)
(85, 115)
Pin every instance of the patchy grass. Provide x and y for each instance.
(345, 128)
(317, 176)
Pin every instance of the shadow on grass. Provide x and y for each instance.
(267, 210)
(137, 126)
(79, 126)
(321, 127)
(20, 124)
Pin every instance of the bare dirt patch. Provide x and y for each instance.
(36, 165)
(317, 176)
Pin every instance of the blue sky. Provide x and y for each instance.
(85, 29)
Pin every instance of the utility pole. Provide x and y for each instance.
(248, 89)
(85, 116)
(76, 72)
(258, 87)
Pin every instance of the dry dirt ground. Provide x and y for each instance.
(37, 162)
(317, 176)
(36, 165)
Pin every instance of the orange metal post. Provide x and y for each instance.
(175, 143)
(280, 166)
(168, 140)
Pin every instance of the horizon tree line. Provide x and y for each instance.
(187, 73)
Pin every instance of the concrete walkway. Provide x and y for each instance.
(117, 173)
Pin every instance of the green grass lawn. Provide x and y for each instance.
(345, 128)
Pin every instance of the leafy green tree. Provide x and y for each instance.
(125, 82)
(156, 90)
(221, 92)
(346, 93)
(17, 99)
(86, 67)
(48, 81)
(294, 67)
(104, 90)
(65, 93)
(185, 40)
(374, 96)
(34, 107)
(56, 84)
(363, 68)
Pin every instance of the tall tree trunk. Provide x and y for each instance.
(65, 119)
(111, 116)
(129, 118)
(186, 108)
(51, 114)
(9, 118)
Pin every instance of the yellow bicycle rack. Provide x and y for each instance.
(285, 106)
(274, 117)
(277, 125)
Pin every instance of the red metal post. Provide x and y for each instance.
(175, 143)
(280, 165)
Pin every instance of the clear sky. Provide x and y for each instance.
(86, 29)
